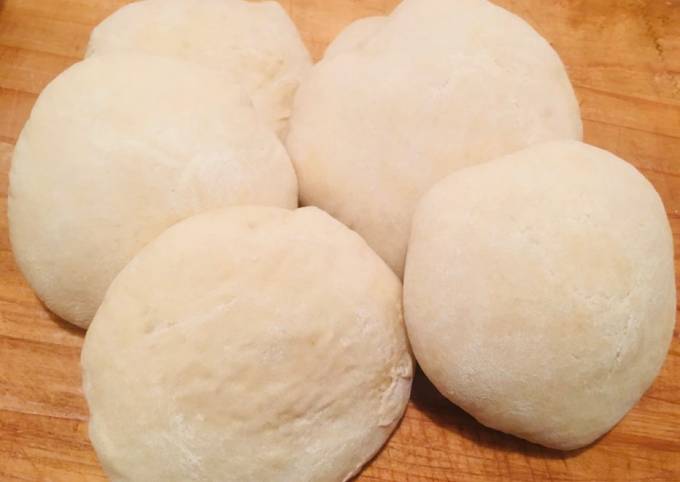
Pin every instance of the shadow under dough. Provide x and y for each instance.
(445, 414)
(62, 324)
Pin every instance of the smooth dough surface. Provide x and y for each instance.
(273, 349)
(539, 291)
(108, 161)
(256, 42)
(439, 86)
(354, 35)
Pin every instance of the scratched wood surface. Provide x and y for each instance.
(624, 59)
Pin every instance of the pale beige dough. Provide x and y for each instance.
(256, 42)
(247, 344)
(354, 35)
(540, 293)
(117, 149)
(438, 86)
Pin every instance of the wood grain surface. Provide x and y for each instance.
(624, 59)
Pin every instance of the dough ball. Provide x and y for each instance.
(439, 86)
(273, 349)
(256, 42)
(354, 35)
(539, 291)
(117, 149)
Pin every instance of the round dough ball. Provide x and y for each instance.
(108, 161)
(256, 42)
(441, 85)
(539, 291)
(273, 348)
(354, 35)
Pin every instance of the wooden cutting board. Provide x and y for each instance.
(624, 59)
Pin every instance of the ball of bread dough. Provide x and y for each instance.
(441, 85)
(256, 42)
(273, 348)
(117, 149)
(354, 35)
(539, 291)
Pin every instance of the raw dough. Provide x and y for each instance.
(441, 85)
(272, 347)
(355, 35)
(539, 291)
(107, 161)
(254, 41)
